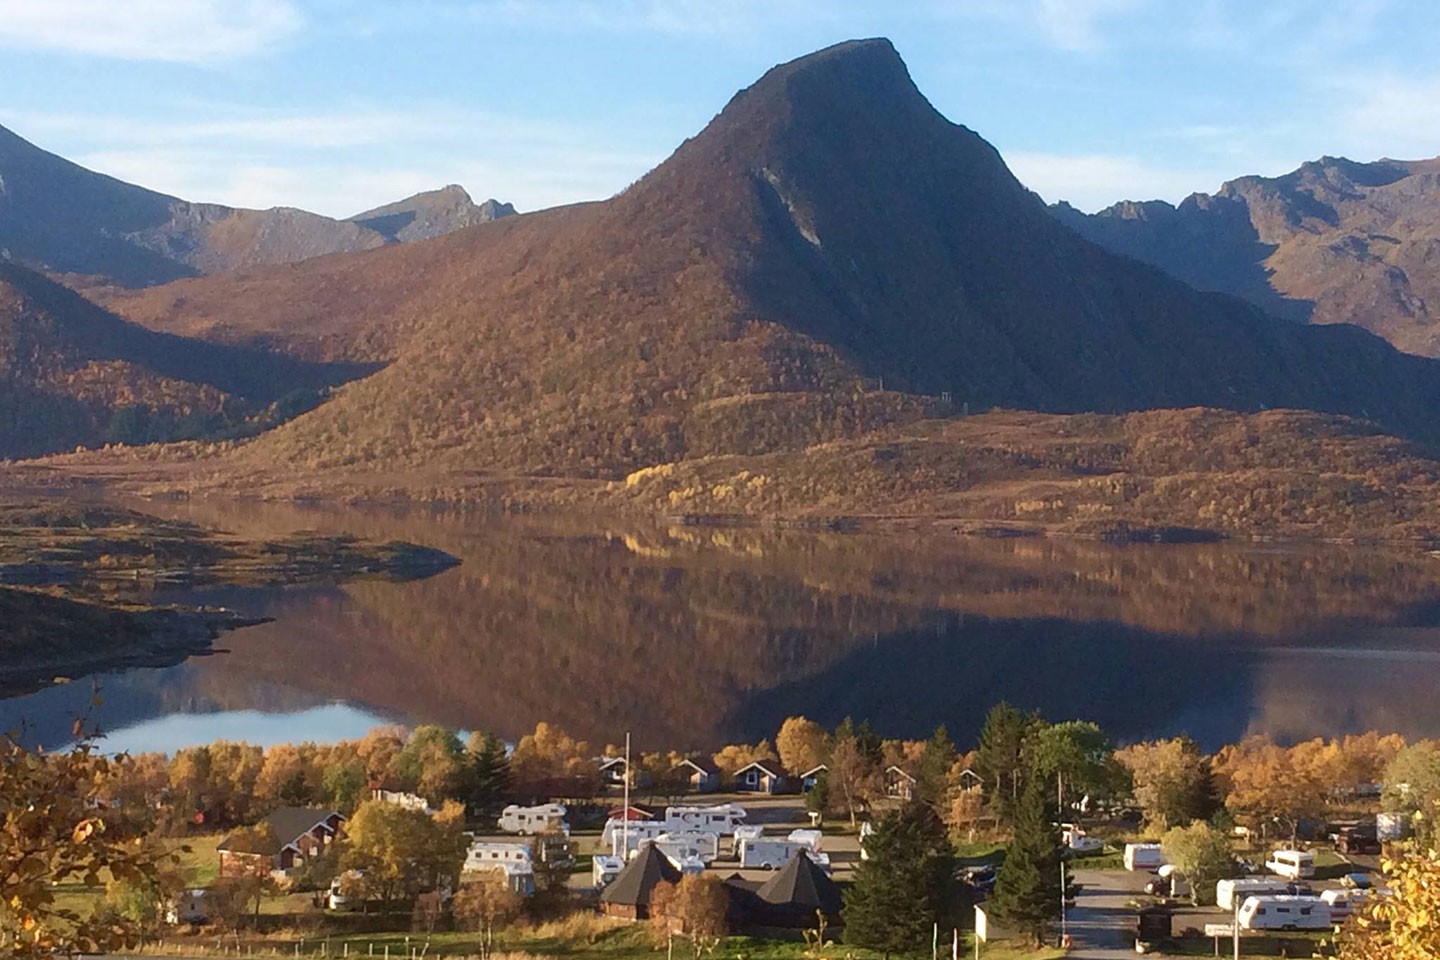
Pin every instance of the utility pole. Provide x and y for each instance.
(625, 813)
(1235, 930)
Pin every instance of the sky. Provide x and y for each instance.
(337, 106)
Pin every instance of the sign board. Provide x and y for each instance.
(982, 926)
(1220, 930)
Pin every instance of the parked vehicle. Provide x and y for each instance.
(537, 819)
(487, 854)
(750, 831)
(622, 837)
(189, 906)
(604, 869)
(720, 820)
(1292, 864)
(696, 845)
(1357, 881)
(813, 839)
(338, 900)
(1285, 913)
(1343, 903)
(1230, 892)
(1073, 836)
(1392, 826)
(1144, 856)
(765, 853)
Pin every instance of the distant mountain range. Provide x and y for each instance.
(1333, 242)
(62, 218)
(829, 265)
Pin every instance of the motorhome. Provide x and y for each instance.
(604, 869)
(748, 831)
(485, 854)
(623, 837)
(1228, 893)
(1285, 913)
(721, 820)
(1144, 856)
(813, 839)
(697, 844)
(1292, 864)
(539, 819)
(766, 853)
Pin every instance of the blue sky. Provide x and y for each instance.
(339, 105)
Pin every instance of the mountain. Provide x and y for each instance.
(60, 217)
(73, 374)
(1332, 242)
(431, 214)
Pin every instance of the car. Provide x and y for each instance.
(1356, 881)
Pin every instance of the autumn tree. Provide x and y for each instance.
(694, 908)
(1172, 781)
(1403, 925)
(734, 756)
(433, 764)
(1264, 788)
(803, 744)
(487, 908)
(51, 833)
(904, 886)
(854, 778)
(1412, 785)
(1204, 854)
(549, 754)
(399, 853)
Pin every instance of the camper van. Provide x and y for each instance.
(694, 844)
(1228, 893)
(720, 820)
(1144, 856)
(528, 820)
(623, 838)
(1292, 864)
(604, 869)
(485, 854)
(1285, 913)
(812, 839)
(765, 853)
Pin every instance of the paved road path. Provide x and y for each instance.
(1101, 922)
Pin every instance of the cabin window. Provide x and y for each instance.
(1305, 911)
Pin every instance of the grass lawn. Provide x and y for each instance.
(201, 865)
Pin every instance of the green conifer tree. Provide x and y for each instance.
(1027, 890)
(904, 887)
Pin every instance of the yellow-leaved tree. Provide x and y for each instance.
(1405, 925)
(53, 830)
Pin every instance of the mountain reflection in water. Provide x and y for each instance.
(693, 636)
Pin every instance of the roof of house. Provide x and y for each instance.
(288, 825)
(637, 882)
(703, 764)
(607, 762)
(894, 768)
(772, 767)
(801, 883)
(822, 768)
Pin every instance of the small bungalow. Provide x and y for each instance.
(899, 784)
(763, 776)
(633, 812)
(292, 835)
(628, 896)
(970, 780)
(612, 771)
(700, 773)
(810, 777)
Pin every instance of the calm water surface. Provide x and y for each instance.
(692, 637)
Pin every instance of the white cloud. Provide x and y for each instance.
(180, 31)
(676, 17)
(1079, 25)
(1094, 181)
(1398, 116)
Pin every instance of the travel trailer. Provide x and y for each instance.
(486, 854)
(689, 844)
(1285, 913)
(1292, 864)
(1230, 892)
(720, 820)
(1143, 856)
(1343, 903)
(629, 835)
(812, 839)
(604, 869)
(528, 820)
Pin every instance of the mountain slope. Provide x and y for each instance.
(57, 216)
(826, 230)
(72, 374)
(1332, 242)
(431, 214)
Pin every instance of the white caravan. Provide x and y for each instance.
(487, 854)
(623, 839)
(1144, 856)
(1230, 892)
(812, 839)
(689, 844)
(1285, 913)
(1292, 864)
(767, 854)
(720, 820)
(527, 820)
(1343, 903)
